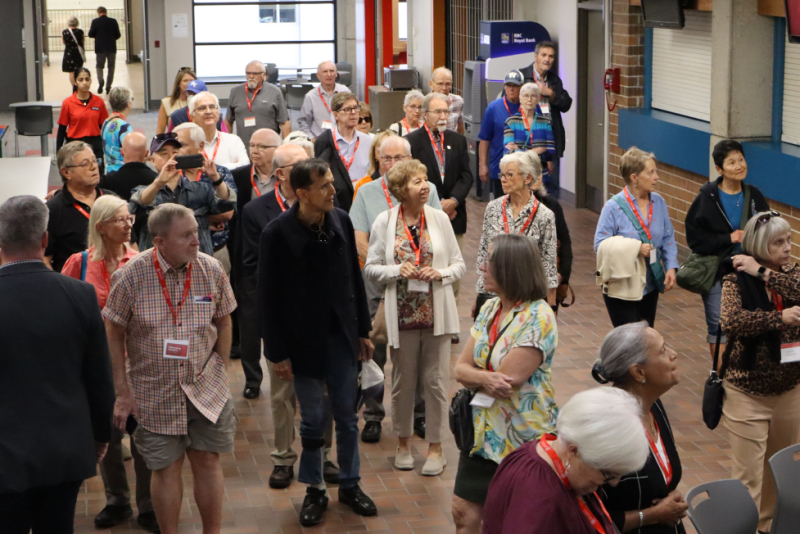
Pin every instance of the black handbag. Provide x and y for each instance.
(714, 393)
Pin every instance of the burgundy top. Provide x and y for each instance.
(527, 497)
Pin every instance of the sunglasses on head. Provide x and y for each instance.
(164, 136)
(764, 217)
(368, 119)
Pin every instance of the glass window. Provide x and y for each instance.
(402, 21)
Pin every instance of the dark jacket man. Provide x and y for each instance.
(313, 289)
(457, 174)
(325, 150)
(130, 176)
(105, 32)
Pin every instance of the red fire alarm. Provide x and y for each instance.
(158, 44)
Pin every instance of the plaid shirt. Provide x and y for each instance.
(159, 385)
(456, 111)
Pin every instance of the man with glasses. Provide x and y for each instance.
(371, 200)
(222, 148)
(181, 115)
(315, 115)
(68, 225)
(442, 82)
(256, 104)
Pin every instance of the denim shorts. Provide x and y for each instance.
(712, 302)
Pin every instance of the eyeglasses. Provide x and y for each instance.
(253, 73)
(261, 147)
(185, 69)
(349, 111)
(509, 175)
(764, 217)
(439, 111)
(414, 108)
(396, 159)
(443, 84)
(210, 107)
(368, 119)
(130, 219)
(88, 164)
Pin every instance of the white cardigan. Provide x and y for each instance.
(382, 269)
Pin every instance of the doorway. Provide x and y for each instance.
(591, 107)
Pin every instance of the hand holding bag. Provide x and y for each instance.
(714, 393)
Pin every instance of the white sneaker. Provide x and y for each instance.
(434, 466)
(404, 461)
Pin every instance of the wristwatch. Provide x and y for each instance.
(762, 271)
(215, 184)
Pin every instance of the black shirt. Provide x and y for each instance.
(127, 178)
(67, 228)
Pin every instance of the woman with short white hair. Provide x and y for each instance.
(412, 107)
(549, 485)
(761, 316)
(531, 130)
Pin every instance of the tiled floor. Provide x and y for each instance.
(410, 503)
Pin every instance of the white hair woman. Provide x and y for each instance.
(635, 358)
(74, 54)
(302, 140)
(530, 130)
(549, 484)
(519, 211)
(761, 315)
(412, 107)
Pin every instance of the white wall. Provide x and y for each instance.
(85, 4)
(420, 37)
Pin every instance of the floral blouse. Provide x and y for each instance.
(542, 230)
(414, 309)
(531, 411)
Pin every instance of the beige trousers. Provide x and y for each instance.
(224, 258)
(425, 357)
(759, 427)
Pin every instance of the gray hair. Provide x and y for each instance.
(758, 235)
(413, 95)
(300, 139)
(193, 102)
(73, 22)
(282, 156)
(622, 348)
(528, 162)
(396, 140)
(442, 69)
(119, 97)
(23, 223)
(196, 133)
(160, 221)
(516, 265)
(103, 210)
(259, 63)
(326, 62)
(530, 88)
(430, 97)
(544, 44)
(66, 155)
(605, 424)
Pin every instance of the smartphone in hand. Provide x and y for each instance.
(194, 161)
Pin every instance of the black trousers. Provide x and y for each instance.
(632, 311)
(249, 335)
(43, 510)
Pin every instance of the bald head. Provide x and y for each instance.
(395, 143)
(134, 148)
(286, 155)
(263, 143)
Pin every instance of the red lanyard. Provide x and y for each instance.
(247, 96)
(528, 127)
(493, 336)
(505, 103)
(665, 468)
(416, 248)
(163, 282)
(216, 148)
(436, 148)
(83, 211)
(777, 300)
(527, 223)
(636, 212)
(408, 130)
(319, 90)
(562, 474)
(386, 192)
(196, 176)
(346, 164)
(253, 178)
(278, 196)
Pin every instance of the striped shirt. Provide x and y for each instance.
(539, 135)
(160, 386)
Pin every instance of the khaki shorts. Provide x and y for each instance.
(160, 451)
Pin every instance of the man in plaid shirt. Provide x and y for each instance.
(170, 308)
(442, 82)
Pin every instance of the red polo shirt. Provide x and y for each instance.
(83, 121)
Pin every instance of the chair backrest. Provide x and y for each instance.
(272, 72)
(345, 69)
(786, 470)
(295, 95)
(729, 509)
(33, 120)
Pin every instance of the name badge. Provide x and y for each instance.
(176, 349)
(790, 352)
(249, 122)
(326, 125)
(418, 286)
(206, 299)
(95, 109)
(545, 108)
(653, 257)
(482, 400)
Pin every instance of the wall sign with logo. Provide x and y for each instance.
(499, 38)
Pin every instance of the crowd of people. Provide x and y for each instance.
(339, 248)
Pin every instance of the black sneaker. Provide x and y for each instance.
(371, 432)
(314, 506)
(113, 514)
(330, 472)
(358, 501)
(100, 89)
(148, 521)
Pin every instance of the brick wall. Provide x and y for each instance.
(677, 186)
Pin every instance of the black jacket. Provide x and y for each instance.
(244, 192)
(708, 231)
(636, 491)
(325, 150)
(105, 32)
(130, 176)
(56, 391)
(308, 290)
(457, 174)
(254, 218)
(562, 234)
(560, 103)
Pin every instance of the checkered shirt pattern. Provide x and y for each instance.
(456, 111)
(159, 384)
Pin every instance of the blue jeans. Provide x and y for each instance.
(342, 381)
(712, 303)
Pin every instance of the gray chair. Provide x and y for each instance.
(786, 470)
(296, 94)
(729, 509)
(34, 121)
(272, 73)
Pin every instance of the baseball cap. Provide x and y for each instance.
(198, 86)
(514, 77)
(162, 139)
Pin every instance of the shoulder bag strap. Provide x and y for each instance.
(84, 262)
(746, 213)
(499, 335)
(657, 268)
(80, 48)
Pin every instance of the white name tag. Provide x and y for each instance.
(653, 256)
(482, 400)
(545, 108)
(206, 299)
(790, 352)
(418, 286)
(249, 122)
(176, 349)
(326, 125)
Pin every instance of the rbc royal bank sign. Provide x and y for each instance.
(500, 38)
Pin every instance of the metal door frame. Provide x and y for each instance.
(583, 113)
